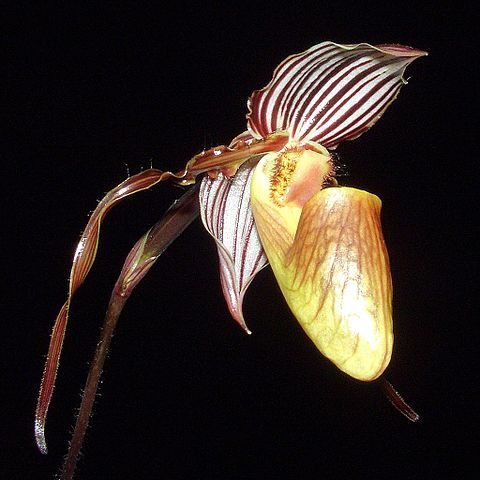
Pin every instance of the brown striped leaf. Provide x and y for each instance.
(330, 92)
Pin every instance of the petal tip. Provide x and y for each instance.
(235, 309)
(402, 50)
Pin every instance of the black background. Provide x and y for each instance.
(92, 91)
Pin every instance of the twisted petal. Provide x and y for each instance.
(330, 260)
(82, 263)
(217, 159)
(330, 92)
(226, 214)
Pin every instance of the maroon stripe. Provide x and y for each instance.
(258, 118)
(295, 106)
(366, 120)
(322, 136)
(374, 114)
(347, 93)
(273, 87)
(299, 80)
(292, 100)
(235, 235)
(266, 93)
(332, 102)
(241, 275)
(333, 71)
(289, 102)
(221, 193)
(296, 83)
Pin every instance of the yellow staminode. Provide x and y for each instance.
(326, 249)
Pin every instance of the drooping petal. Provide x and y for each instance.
(138, 262)
(82, 263)
(217, 159)
(228, 159)
(329, 258)
(226, 214)
(330, 92)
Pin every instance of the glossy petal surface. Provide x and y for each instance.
(330, 260)
(330, 92)
(226, 214)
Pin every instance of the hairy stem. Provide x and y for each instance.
(115, 307)
(139, 261)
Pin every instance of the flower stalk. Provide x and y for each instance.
(271, 197)
(137, 264)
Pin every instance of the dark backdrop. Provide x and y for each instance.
(94, 91)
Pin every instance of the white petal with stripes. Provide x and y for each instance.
(330, 92)
(226, 214)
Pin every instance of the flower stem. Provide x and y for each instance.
(115, 307)
(139, 261)
(398, 402)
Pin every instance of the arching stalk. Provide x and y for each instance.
(139, 261)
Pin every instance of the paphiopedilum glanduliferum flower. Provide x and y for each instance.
(271, 197)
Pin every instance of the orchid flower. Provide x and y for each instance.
(271, 197)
